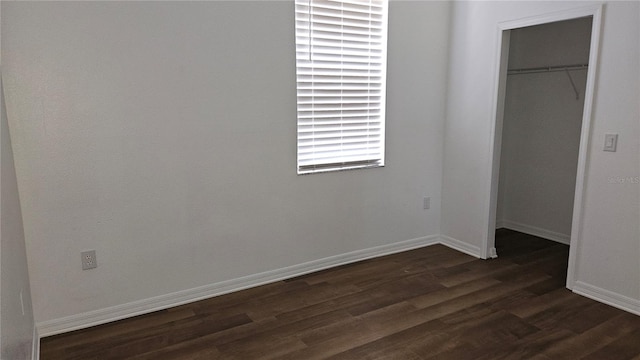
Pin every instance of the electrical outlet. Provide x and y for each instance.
(426, 202)
(89, 260)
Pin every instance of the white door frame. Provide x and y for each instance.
(502, 58)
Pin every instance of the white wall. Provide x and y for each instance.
(611, 233)
(607, 258)
(162, 134)
(541, 129)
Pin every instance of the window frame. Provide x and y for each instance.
(352, 139)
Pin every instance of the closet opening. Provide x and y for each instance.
(545, 84)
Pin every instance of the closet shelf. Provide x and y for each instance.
(542, 69)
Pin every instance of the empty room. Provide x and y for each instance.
(314, 179)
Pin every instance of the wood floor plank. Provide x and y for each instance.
(556, 316)
(428, 303)
(594, 339)
(276, 304)
(443, 295)
(109, 331)
(542, 303)
(263, 347)
(527, 347)
(374, 352)
(625, 347)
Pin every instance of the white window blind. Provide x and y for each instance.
(341, 51)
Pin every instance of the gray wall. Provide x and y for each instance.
(162, 134)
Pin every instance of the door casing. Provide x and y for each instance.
(501, 62)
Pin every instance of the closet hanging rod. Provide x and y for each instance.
(547, 69)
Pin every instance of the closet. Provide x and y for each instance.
(547, 75)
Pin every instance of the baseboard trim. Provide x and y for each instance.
(461, 246)
(35, 347)
(607, 297)
(535, 231)
(119, 312)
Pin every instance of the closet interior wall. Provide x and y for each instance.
(541, 130)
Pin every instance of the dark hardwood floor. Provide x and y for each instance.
(430, 303)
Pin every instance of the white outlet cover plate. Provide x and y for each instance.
(89, 260)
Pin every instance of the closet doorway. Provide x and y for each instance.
(543, 110)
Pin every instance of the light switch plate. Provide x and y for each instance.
(610, 142)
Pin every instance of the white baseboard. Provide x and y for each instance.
(461, 246)
(535, 231)
(114, 313)
(608, 297)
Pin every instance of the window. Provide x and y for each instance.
(341, 57)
